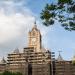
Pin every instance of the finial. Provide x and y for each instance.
(59, 52)
(35, 26)
(35, 22)
(3, 57)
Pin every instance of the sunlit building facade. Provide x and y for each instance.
(34, 59)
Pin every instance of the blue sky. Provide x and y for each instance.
(17, 18)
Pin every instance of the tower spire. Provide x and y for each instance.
(35, 26)
(59, 56)
(35, 38)
(35, 22)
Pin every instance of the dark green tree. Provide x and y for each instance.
(11, 73)
(62, 11)
(6, 73)
(17, 73)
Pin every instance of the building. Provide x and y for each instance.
(2, 65)
(36, 60)
(63, 67)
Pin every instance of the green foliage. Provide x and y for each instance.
(73, 62)
(63, 11)
(11, 73)
(64, 1)
(17, 73)
(0, 73)
(6, 73)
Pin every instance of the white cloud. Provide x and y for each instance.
(13, 31)
(12, 26)
(15, 22)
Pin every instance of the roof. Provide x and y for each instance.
(16, 51)
(35, 27)
(3, 61)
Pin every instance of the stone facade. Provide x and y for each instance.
(64, 68)
(33, 60)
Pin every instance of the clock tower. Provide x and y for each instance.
(35, 39)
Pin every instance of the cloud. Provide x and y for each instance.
(15, 22)
(13, 26)
(16, 19)
(14, 6)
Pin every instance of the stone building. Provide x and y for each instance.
(36, 60)
(63, 67)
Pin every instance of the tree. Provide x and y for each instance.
(17, 73)
(63, 11)
(11, 73)
(6, 73)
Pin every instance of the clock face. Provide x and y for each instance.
(33, 39)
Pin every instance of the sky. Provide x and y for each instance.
(17, 17)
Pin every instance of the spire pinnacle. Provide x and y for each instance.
(35, 26)
(35, 22)
(59, 57)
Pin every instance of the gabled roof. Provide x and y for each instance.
(3, 61)
(16, 51)
(35, 27)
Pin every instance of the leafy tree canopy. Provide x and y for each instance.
(63, 11)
